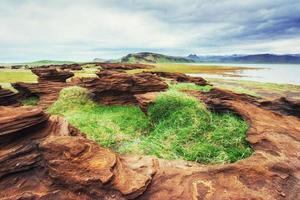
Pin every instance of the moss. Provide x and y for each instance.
(177, 126)
(30, 101)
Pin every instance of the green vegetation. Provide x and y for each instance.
(30, 101)
(189, 86)
(177, 126)
(17, 75)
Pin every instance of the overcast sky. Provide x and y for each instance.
(85, 29)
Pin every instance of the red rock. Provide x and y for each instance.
(50, 160)
(144, 100)
(73, 67)
(52, 74)
(45, 158)
(7, 97)
(123, 66)
(180, 77)
(50, 82)
(119, 88)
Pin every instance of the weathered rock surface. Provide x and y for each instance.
(50, 82)
(119, 88)
(123, 66)
(73, 67)
(48, 159)
(45, 158)
(7, 97)
(52, 74)
(180, 77)
(281, 105)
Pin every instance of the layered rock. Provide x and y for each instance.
(123, 66)
(50, 82)
(46, 158)
(52, 74)
(73, 67)
(120, 88)
(180, 77)
(49, 159)
(7, 97)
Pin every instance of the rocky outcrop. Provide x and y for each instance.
(180, 77)
(7, 97)
(120, 88)
(50, 82)
(46, 158)
(72, 67)
(52, 74)
(283, 106)
(123, 66)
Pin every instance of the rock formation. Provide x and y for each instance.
(180, 77)
(123, 66)
(73, 67)
(50, 82)
(7, 97)
(52, 74)
(119, 88)
(45, 158)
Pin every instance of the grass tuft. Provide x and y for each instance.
(30, 101)
(177, 126)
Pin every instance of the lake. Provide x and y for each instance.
(270, 73)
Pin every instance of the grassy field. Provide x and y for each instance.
(177, 127)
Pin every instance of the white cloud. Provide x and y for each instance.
(82, 30)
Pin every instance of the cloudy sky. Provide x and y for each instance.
(84, 29)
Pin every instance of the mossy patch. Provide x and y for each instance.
(177, 127)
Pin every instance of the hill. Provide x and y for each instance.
(256, 58)
(147, 57)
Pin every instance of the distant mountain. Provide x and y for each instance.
(106, 60)
(49, 62)
(148, 57)
(256, 58)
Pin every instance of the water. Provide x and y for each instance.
(271, 73)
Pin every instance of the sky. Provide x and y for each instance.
(81, 30)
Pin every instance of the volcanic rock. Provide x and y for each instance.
(123, 66)
(52, 74)
(46, 158)
(119, 88)
(281, 105)
(180, 77)
(7, 97)
(50, 82)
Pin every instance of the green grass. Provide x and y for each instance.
(189, 86)
(177, 127)
(30, 101)
(19, 75)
